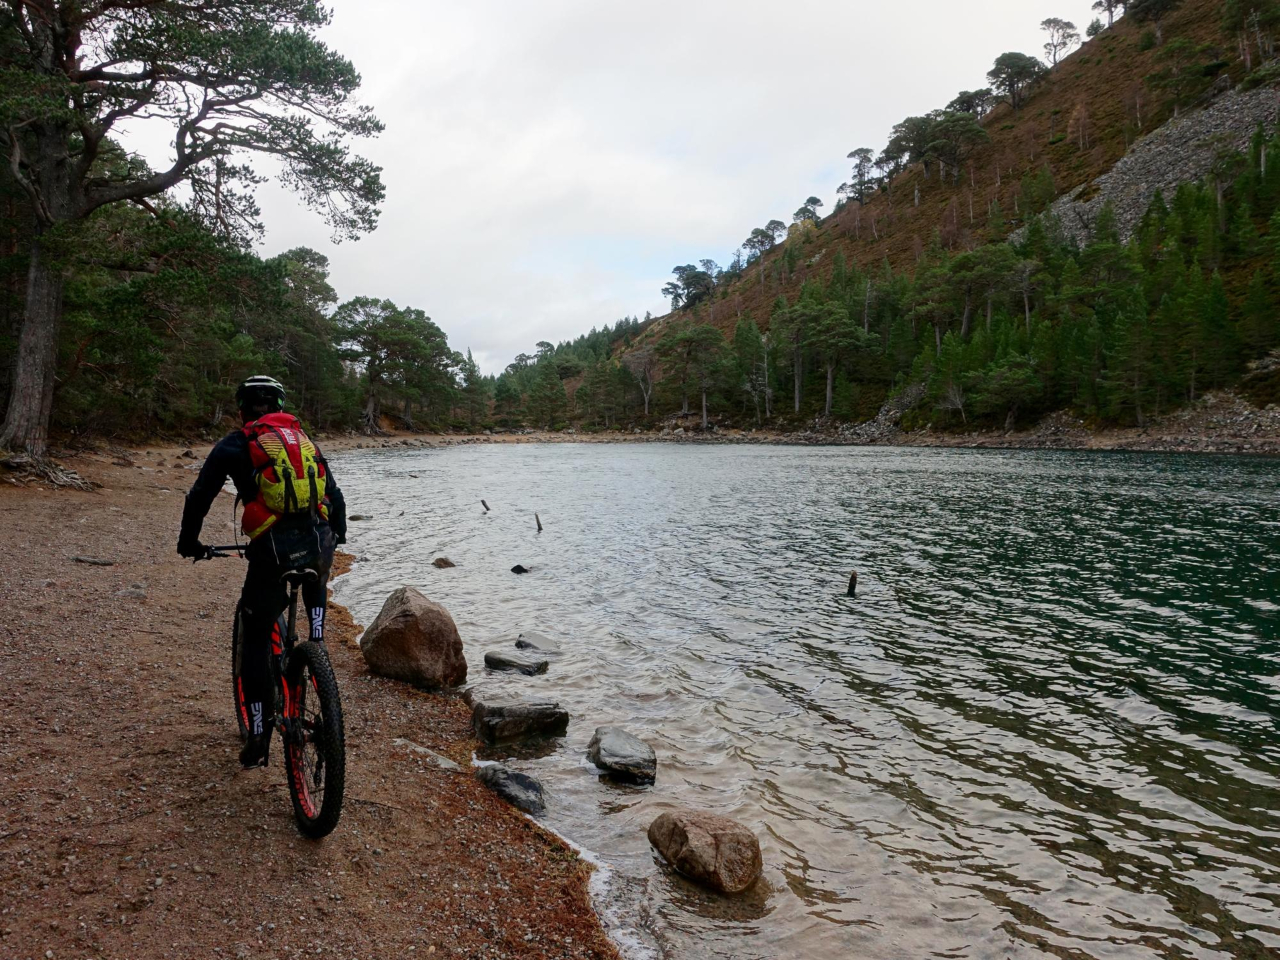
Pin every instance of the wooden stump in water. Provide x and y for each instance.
(853, 583)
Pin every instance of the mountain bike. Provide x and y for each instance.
(307, 710)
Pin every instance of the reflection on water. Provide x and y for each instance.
(1046, 726)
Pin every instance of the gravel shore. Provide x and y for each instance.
(126, 827)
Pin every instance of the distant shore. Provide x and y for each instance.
(1221, 423)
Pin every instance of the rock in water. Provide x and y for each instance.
(414, 640)
(714, 851)
(442, 563)
(516, 663)
(519, 569)
(623, 756)
(495, 722)
(537, 643)
(518, 789)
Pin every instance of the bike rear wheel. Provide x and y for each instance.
(237, 654)
(314, 746)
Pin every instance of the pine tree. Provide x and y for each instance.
(1258, 328)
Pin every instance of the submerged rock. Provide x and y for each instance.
(495, 722)
(622, 755)
(515, 663)
(442, 563)
(518, 568)
(415, 640)
(712, 850)
(518, 789)
(537, 642)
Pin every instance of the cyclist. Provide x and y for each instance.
(295, 532)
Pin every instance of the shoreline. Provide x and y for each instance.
(1221, 423)
(133, 831)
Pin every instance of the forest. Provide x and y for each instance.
(165, 306)
(993, 326)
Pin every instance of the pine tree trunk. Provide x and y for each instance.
(831, 378)
(797, 378)
(371, 408)
(26, 425)
(704, 409)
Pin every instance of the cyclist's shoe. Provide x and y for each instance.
(255, 751)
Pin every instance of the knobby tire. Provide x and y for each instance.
(237, 689)
(315, 749)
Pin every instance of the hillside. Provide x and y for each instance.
(1102, 81)
(1094, 237)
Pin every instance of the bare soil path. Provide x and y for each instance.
(127, 829)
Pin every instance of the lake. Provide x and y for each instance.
(1046, 726)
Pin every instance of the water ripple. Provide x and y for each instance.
(1046, 727)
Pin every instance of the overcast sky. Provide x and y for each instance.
(548, 161)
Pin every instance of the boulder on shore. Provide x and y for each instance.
(622, 756)
(711, 850)
(518, 789)
(426, 753)
(415, 640)
(495, 722)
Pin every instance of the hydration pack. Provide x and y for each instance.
(288, 471)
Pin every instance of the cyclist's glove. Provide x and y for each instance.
(192, 549)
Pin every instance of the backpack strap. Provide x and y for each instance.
(290, 494)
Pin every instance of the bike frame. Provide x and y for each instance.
(298, 730)
(280, 649)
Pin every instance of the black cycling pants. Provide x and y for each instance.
(264, 597)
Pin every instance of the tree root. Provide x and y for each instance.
(28, 469)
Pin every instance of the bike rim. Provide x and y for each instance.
(307, 749)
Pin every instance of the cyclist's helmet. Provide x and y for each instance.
(257, 393)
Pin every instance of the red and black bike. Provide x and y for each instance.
(307, 710)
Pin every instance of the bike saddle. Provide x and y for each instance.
(300, 576)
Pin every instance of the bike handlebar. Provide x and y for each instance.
(211, 552)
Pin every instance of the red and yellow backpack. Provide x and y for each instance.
(288, 471)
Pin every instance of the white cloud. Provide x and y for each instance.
(547, 162)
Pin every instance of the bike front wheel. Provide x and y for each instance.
(314, 746)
